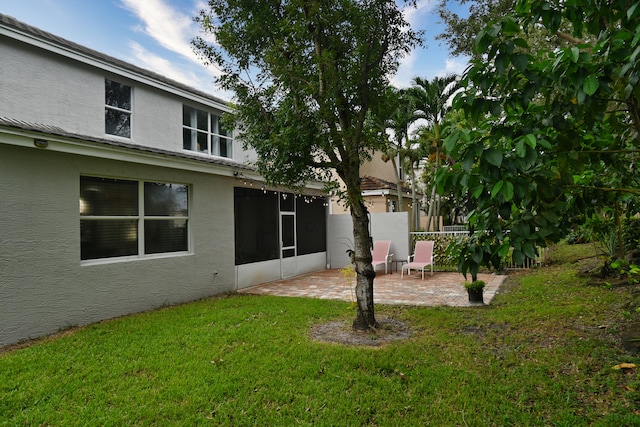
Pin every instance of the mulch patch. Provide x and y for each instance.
(342, 332)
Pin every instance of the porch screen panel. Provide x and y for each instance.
(311, 229)
(256, 225)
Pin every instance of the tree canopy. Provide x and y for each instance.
(552, 131)
(462, 28)
(307, 76)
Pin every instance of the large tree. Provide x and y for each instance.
(465, 19)
(307, 75)
(551, 130)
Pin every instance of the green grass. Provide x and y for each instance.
(542, 354)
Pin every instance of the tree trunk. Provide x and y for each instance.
(362, 246)
(365, 316)
(414, 210)
(438, 212)
(396, 167)
(430, 213)
(621, 251)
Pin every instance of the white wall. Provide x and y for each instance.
(44, 287)
(268, 271)
(37, 86)
(392, 226)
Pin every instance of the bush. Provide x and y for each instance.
(631, 234)
(441, 244)
(578, 235)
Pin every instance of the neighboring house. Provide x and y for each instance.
(382, 196)
(380, 189)
(122, 191)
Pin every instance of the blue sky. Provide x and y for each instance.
(156, 35)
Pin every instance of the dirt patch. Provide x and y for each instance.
(631, 338)
(341, 332)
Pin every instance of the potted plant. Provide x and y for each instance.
(475, 289)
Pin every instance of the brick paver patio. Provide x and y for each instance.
(443, 288)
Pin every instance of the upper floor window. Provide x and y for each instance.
(127, 218)
(203, 132)
(117, 110)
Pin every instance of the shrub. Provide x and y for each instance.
(631, 233)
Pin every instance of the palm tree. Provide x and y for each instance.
(398, 117)
(430, 99)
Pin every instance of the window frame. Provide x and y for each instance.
(119, 110)
(212, 132)
(141, 217)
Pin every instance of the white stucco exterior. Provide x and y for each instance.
(45, 287)
(52, 132)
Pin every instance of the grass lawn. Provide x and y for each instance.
(543, 354)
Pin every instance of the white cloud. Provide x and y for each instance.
(406, 72)
(454, 66)
(170, 28)
(149, 60)
(160, 65)
(173, 30)
(415, 15)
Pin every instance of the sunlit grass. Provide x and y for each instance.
(541, 354)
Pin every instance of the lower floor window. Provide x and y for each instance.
(121, 218)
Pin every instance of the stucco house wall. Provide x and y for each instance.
(379, 168)
(45, 287)
(52, 133)
(38, 86)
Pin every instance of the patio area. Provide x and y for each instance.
(441, 289)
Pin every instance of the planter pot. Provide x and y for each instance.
(475, 296)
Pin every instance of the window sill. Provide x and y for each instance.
(117, 260)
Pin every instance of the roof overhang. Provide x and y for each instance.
(56, 140)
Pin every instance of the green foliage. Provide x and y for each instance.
(306, 76)
(631, 233)
(441, 243)
(630, 271)
(461, 29)
(551, 132)
(603, 231)
(536, 356)
(578, 235)
(475, 251)
(476, 285)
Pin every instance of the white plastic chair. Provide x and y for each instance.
(381, 255)
(421, 258)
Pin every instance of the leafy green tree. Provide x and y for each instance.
(551, 130)
(463, 27)
(430, 100)
(306, 75)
